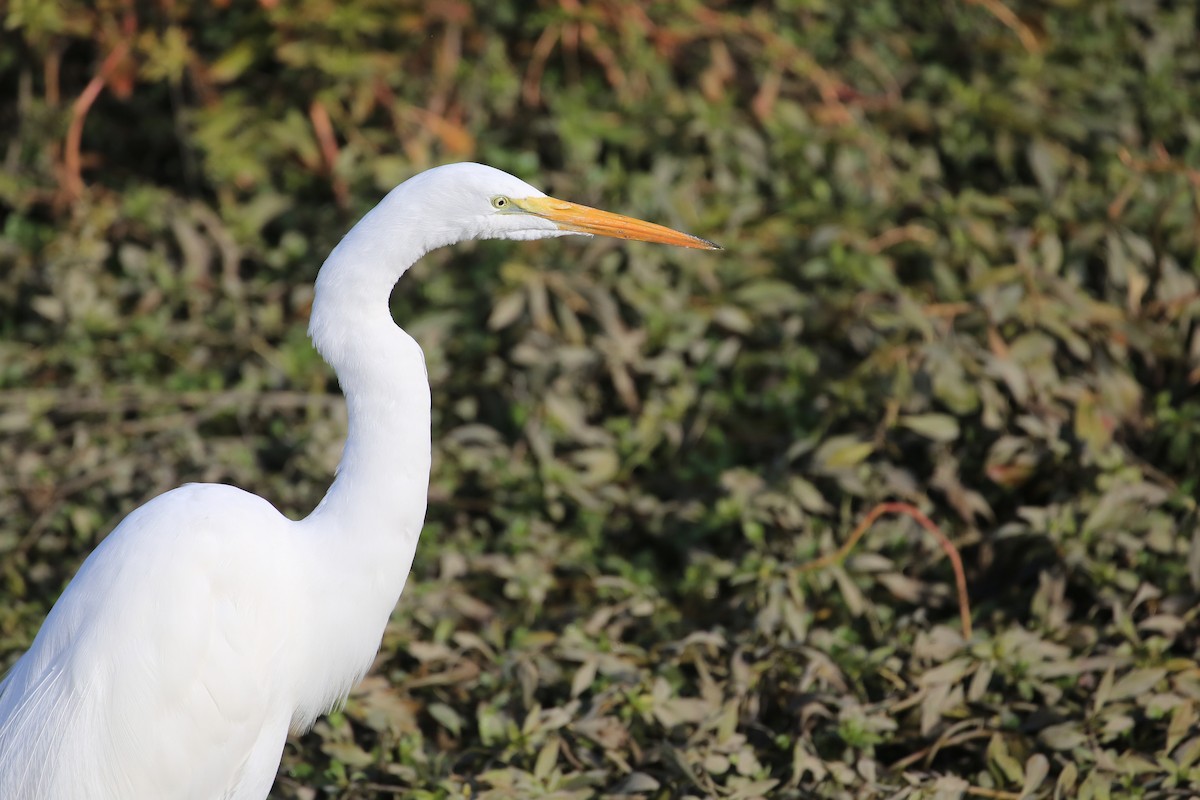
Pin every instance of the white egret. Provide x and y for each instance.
(207, 625)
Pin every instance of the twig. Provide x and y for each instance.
(51, 70)
(1009, 19)
(587, 30)
(531, 86)
(894, 236)
(1161, 164)
(69, 401)
(801, 62)
(71, 160)
(998, 794)
(948, 739)
(327, 141)
(960, 578)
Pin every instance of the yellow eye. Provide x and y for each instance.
(500, 202)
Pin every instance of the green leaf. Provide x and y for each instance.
(938, 427)
(842, 452)
(447, 717)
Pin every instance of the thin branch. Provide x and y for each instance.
(996, 794)
(51, 71)
(71, 159)
(1010, 20)
(70, 401)
(327, 141)
(905, 233)
(960, 577)
(531, 86)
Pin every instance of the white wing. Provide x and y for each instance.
(160, 672)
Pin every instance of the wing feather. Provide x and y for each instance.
(157, 672)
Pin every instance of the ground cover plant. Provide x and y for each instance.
(961, 278)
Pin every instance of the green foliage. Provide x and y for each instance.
(961, 271)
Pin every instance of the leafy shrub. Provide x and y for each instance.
(961, 273)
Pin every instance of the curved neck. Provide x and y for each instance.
(378, 497)
(360, 540)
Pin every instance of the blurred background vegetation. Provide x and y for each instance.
(961, 273)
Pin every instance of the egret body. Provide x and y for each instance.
(207, 625)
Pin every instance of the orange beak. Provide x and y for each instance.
(582, 219)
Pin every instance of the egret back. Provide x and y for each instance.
(157, 673)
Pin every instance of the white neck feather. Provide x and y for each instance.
(363, 535)
(372, 515)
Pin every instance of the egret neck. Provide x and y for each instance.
(376, 505)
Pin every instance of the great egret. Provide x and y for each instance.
(207, 625)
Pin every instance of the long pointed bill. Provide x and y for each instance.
(582, 219)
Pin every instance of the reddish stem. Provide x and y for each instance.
(960, 577)
(327, 141)
(72, 162)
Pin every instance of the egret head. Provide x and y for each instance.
(440, 207)
(486, 203)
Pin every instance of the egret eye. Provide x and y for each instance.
(500, 202)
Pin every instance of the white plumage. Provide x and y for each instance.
(207, 625)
